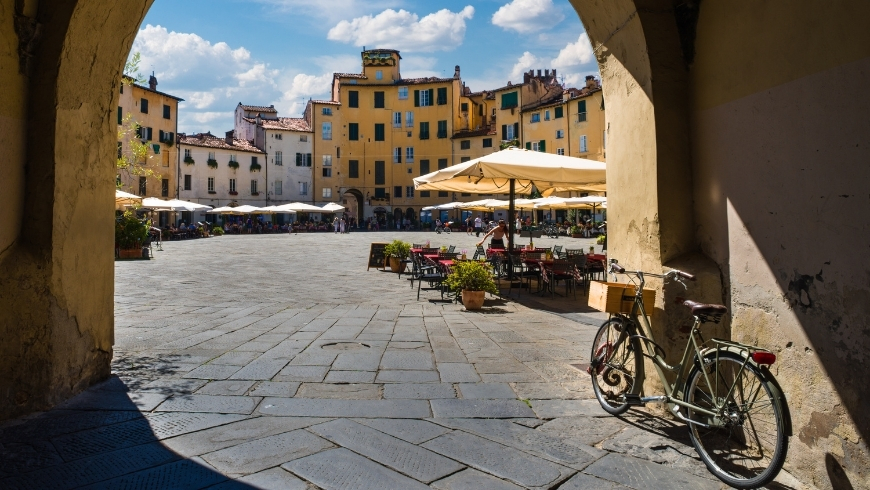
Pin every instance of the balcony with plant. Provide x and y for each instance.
(233, 164)
(255, 167)
(189, 160)
(212, 163)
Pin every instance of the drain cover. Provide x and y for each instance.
(345, 346)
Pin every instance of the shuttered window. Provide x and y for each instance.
(353, 131)
(379, 100)
(379, 132)
(509, 100)
(353, 98)
(442, 96)
(380, 173)
(353, 169)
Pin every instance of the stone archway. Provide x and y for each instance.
(360, 203)
(682, 86)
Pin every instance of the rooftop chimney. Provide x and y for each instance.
(456, 72)
(546, 73)
(152, 81)
(591, 82)
(229, 137)
(539, 73)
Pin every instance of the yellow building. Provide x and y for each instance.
(156, 113)
(380, 131)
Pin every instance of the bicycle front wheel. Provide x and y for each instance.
(616, 362)
(745, 446)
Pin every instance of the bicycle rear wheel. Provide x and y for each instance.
(746, 446)
(616, 362)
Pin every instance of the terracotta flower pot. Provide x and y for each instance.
(473, 300)
(131, 253)
(396, 264)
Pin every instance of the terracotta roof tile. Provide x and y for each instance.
(258, 108)
(208, 140)
(285, 123)
(348, 75)
(330, 102)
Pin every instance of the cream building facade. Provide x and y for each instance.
(156, 115)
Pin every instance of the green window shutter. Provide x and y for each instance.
(442, 97)
(442, 163)
(379, 132)
(528, 146)
(416, 98)
(431, 96)
(504, 132)
(353, 169)
(558, 113)
(379, 100)
(581, 106)
(353, 132)
(353, 98)
(517, 130)
(424, 167)
(298, 159)
(120, 116)
(542, 146)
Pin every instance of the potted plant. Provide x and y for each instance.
(397, 251)
(233, 164)
(189, 160)
(211, 162)
(576, 232)
(474, 279)
(131, 233)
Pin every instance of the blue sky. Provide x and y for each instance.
(217, 53)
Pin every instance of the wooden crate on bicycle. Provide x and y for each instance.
(614, 297)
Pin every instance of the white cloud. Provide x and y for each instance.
(439, 31)
(421, 66)
(304, 87)
(330, 10)
(574, 54)
(526, 16)
(201, 100)
(524, 63)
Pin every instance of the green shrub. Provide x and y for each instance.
(471, 276)
(576, 230)
(130, 231)
(600, 240)
(398, 249)
(217, 231)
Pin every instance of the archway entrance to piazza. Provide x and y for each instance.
(354, 202)
(682, 85)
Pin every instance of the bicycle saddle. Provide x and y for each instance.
(706, 312)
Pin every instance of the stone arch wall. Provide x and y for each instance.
(682, 83)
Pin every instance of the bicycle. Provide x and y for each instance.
(552, 231)
(736, 413)
(445, 228)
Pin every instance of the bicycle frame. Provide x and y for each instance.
(692, 353)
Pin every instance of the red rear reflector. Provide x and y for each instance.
(764, 357)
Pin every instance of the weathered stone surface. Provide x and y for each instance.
(180, 474)
(413, 431)
(302, 373)
(212, 371)
(586, 430)
(500, 366)
(470, 478)
(353, 361)
(257, 455)
(275, 388)
(529, 440)
(235, 358)
(419, 391)
(499, 460)
(271, 479)
(114, 400)
(59, 422)
(639, 473)
(551, 409)
(314, 358)
(389, 451)
(343, 469)
(407, 360)
(557, 371)
(510, 377)
(486, 390)
(302, 407)
(449, 355)
(358, 391)
(582, 481)
(544, 391)
(407, 377)
(210, 403)
(457, 373)
(173, 386)
(226, 388)
(659, 442)
(480, 408)
(350, 377)
(205, 441)
(260, 369)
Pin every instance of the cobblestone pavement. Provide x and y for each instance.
(278, 361)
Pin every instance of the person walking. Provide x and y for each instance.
(335, 224)
(478, 224)
(342, 226)
(498, 234)
(468, 227)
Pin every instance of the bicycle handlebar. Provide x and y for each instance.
(615, 268)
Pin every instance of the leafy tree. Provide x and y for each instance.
(132, 152)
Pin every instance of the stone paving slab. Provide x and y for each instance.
(260, 369)
(275, 388)
(210, 403)
(302, 373)
(389, 451)
(237, 388)
(231, 434)
(407, 360)
(576, 455)
(499, 460)
(59, 422)
(544, 391)
(356, 391)
(586, 430)
(177, 475)
(259, 454)
(410, 430)
(486, 390)
(407, 377)
(641, 474)
(212, 371)
(271, 479)
(473, 479)
(582, 481)
(343, 469)
(551, 409)
(350, 377)
(480, 409)
(113, 400)
(302, 407)
(457, 373)
(419, 391)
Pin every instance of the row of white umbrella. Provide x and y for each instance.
(539, 203)
(155, 204)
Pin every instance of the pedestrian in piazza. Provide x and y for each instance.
(335, 224)
(478, 224)
(468, 227)
(342, 226)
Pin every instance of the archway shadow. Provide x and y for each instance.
(108, 437)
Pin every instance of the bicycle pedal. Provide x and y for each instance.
(634, 400)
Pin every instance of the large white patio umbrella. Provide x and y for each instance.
(187, 205)
(298, 207)
(332, 207)
(507, 169)
(126, 199)
(484, 205)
